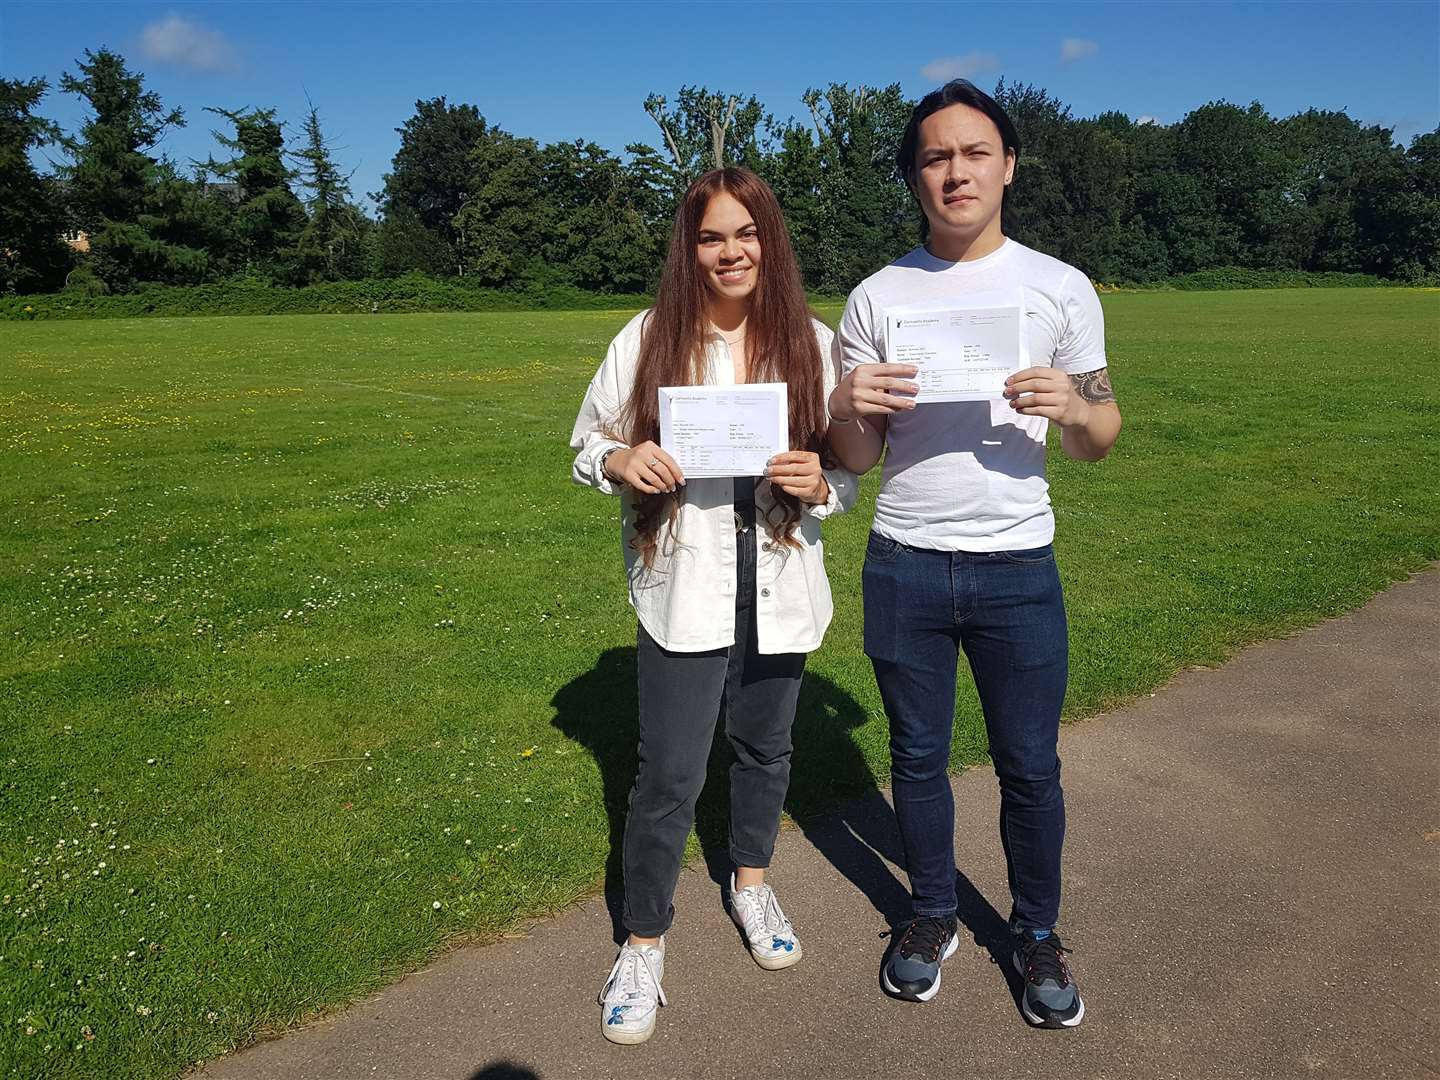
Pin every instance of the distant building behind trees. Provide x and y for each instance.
(1226, 186)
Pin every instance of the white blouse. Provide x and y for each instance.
(686, 600)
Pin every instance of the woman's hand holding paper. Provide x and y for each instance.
(797, 472)
(646, 468)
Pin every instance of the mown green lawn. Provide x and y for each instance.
(312, 658)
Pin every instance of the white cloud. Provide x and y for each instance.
(959, 67)
(1074, 48)
(1147, 120)
(174, 40)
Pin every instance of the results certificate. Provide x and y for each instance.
(964, 354)
(724, 430)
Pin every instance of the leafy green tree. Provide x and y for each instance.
(1105, 234)
(650, 184)
(1422, 162)
(1397, 210)
(595, 221)
(115, 189)
(432, 171)
(1366, 195)
(400, 243)
(500, 228)
(1037, 206)
(190, 212)
(269, 218)
(1328, 153)
(32, 258)
(862, 214)
(1181, 214)
(1238, 157)
(793, 171)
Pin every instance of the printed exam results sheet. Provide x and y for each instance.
(724, 430)
(963, 353)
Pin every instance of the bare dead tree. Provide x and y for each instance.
(812, 100)
(655, 106)
(838, 100)
(718, 129)
(698, 127)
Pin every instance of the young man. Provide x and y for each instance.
(959, 555)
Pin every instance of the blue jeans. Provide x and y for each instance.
(1005, 609)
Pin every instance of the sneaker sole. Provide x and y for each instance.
(769, 963)
(628, 1038)
(776, 963)
(1034, 1020)
(924, 995)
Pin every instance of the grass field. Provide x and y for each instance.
(312, 658)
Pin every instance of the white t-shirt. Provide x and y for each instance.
(970, 475)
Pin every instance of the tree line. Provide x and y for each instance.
(1227, 186)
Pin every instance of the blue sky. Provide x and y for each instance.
(581, 70)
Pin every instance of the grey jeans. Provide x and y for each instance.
(682, 695)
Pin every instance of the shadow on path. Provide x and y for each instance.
(833, 796)
(504, 1070)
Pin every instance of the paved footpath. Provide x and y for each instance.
(1252, 890)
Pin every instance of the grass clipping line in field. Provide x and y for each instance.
(314, 658)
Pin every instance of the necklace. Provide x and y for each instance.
(732, 340)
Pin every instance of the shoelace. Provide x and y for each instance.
(923, 937)
(1045, 960)
(761, 900)
(631, 978)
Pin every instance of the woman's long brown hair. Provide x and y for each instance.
(778, 328)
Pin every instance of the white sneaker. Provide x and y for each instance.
(632, 993)
(771, 938)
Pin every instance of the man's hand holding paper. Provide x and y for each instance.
(874, 390)
(1047, 392)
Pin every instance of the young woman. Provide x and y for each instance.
(725, 574)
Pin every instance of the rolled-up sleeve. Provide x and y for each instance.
(599, 413)
(842, 483)
(841, 498)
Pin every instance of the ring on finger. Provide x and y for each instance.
(653, 462)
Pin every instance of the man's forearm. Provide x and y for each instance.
(859, 443)
(1093, 439)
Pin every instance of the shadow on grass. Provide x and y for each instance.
(833, 795)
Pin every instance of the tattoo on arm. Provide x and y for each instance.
(1094, 386)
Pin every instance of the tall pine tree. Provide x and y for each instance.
(269, 218)
(331, 243)
(114, 187)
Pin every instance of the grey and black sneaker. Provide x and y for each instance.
(1051, 998)
(912, 968)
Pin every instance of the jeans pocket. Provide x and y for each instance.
(881, 549)
(1030, 556)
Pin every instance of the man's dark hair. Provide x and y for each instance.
(954, 92)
